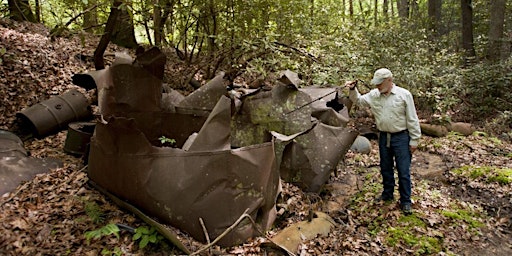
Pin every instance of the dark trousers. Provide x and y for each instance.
(395, 152)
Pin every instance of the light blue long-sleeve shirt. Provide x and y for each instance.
(393, 112)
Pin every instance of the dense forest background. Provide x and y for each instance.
(455, 56)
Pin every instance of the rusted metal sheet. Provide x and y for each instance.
(180, 187)
(322, 136)
(15, 164)
(208, 181)
(224, 162)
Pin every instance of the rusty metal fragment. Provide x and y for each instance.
(210, 181)
(15, 164)
(179, 187)
(296, 234)
(322, 136)
(224, 161)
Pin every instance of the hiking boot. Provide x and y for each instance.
(406, 209)
(383, 199)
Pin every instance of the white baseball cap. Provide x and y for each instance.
(380, 75)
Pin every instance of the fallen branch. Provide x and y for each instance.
(229, 229)
(307, 54)
(204, 230)
(165, 232)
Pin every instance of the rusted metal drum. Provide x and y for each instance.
(79, 135)
(56, 113)
(11, 144)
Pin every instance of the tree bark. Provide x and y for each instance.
(375, 11)
(157, 22)
(99, 63)
(124, 33)
(434, 14)
(20, 10)
(496, 27)
(37, 10)
(351, 8)
(467, 29)
(403, 9)
(385, 8)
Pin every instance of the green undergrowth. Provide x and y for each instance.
(407, 231)
(489, 174)
(437, 222)
(471, 218)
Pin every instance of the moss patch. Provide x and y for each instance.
(406, 234)
(488, 174)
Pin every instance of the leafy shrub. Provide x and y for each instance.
(146, 236)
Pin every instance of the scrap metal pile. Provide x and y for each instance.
(232, 146)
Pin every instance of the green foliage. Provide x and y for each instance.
(502, 176)
(106, 230)
(2, 53)
(146, 236)
(94, 211)
(167, 141)
(467, 216)
(116, 252)
(487, 89)
(404, 233)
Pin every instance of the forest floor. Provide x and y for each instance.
(462, 185)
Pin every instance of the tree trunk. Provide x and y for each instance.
(393, 9)
(385, 8)
(20, 10)
(403, 9)
(351, 8)
(38, 11)
(99, 63)
(90, 17)
(312, 10)
(157, 22)
(375, 11)
(496, 27)
(434, 14)
(124, 33)
(414, 9)
(467, 29)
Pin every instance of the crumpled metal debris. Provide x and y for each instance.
(209, 181)
(296, 234)
(321, 136)
(224, 162)
(15, 164)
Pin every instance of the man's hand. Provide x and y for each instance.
(351, 84)
(412, 149)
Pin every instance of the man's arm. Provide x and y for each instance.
(354, 94)
(413, 123)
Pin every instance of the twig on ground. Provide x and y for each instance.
(205, 230)
(23, 187)
(229, 229)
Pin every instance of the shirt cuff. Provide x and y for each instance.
(413, 143)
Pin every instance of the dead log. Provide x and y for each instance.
(465, 129)
(434, 130)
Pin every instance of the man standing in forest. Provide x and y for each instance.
(399, 131)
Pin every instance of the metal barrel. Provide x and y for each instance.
(56, 113)
(78, 136)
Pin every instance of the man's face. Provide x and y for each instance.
(385, 86)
